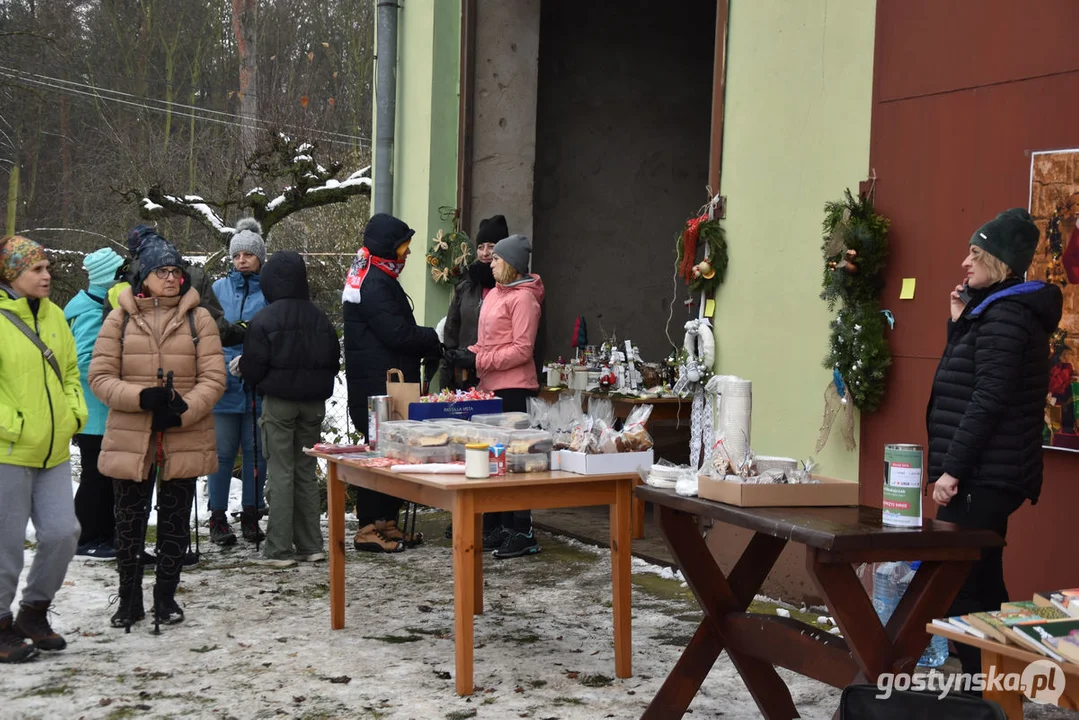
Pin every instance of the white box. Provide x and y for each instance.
(606, 463)
(556, 459)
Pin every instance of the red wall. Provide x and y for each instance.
(962, 93)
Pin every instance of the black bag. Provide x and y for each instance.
(860, 702)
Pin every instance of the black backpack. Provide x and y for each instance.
(860, 702)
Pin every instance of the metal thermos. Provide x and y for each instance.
(379, 410)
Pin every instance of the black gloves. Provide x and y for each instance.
(461, 358)
(164, 420)
(154, 398)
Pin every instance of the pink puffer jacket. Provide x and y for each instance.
(509, 318)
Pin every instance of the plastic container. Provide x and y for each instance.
(890, 581)
(528, 442)
(426, 435)
(477, 463)
(511, 420)
(434, 454)
(528, 462)
(395, 431)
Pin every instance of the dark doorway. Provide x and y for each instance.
(622, 143)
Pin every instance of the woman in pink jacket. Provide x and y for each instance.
(509, 320)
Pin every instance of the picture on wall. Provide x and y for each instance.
(1054, 204)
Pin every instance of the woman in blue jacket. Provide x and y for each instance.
(238, 410)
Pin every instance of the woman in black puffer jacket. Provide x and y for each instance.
(986, 410)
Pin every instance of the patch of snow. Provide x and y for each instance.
(149, 205)
(275, 203)
(301, 158)
(255, 191)
(783, 612)
(305, 147)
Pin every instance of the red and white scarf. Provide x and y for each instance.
(361, 264)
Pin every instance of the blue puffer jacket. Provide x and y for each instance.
(240, 297)
(83, 315)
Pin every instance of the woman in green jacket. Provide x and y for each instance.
(41, 408)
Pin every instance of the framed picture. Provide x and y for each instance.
(1054, 205)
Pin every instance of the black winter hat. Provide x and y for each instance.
(157, 253)
(285, 276)
(492, 230)
(1011, 236)
(384, 234)
(141, 234)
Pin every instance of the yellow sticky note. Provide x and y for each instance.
(907, 293)
(709, 308)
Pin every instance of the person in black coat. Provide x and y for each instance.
(986, 410)
(291, 357)
(380, 333)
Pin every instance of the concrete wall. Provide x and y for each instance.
(504, 125)
(622, 139)
(425, 161)
(799, 91)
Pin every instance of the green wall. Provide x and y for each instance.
(796, 133)
(425, 160)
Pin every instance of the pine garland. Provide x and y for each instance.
(855, 249)
(697, 230)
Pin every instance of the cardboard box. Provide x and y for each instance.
(461, 410)
(605, 463)
(829, 491)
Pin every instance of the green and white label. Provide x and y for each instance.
(902, 503)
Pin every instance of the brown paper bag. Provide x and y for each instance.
(402, 393)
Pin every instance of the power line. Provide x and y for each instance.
(20, 77)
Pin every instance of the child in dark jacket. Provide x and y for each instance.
(291, 357)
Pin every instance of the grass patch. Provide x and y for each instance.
(568, 701)
(48, 691)
(596, 681)
(526, 639)
(461, 714)
(537, 683)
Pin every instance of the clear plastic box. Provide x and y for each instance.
(511, 420)
(528, 462)
(528, 442)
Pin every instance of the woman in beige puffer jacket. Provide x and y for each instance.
(157, 329)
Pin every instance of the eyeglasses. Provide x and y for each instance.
(165, 273)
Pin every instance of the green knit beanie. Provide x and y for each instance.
(1012, 237)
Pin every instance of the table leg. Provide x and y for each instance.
(335, 510)
(718, 597)
(638, 517)
(464, 586)
(1011, 702)
(620, 578)
(477, 593)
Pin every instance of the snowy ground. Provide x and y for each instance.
(256, 644)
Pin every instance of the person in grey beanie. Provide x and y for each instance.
(238, 411)
(986, 409)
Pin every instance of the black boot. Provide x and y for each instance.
(249, 525)
(220, 532)
(131, 608)
(166, 610)
(33, 622)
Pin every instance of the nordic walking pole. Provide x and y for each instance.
(255, 462)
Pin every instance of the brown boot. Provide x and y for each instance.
(33, 622)
(371, 539)
(13, 648)
(390, 530)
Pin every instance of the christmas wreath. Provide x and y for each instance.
(855, 249)
(450, 253)
(708, 274)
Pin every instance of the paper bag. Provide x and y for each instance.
(402, 393)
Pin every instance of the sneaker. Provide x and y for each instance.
(391, 531)
(220, 532)
(517, 545)
(493, 539)
(33, 623)
(371, 539)
(13, 647)
(275, 562)
(96, 551)
(311, 557)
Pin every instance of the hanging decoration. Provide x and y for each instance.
(855, 249)
(451, 253)
(704, 230)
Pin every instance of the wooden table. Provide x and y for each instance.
(663, 408)
(834, 538)
(1004, 659)
(468, 500)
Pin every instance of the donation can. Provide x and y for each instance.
(379, 410)
(902, 504)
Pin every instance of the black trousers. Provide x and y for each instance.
(371, 505)
(173, 531)
(513, 400)
(94, 499)
(985, 509)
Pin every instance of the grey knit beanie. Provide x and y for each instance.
(248, 238)
(515, 250)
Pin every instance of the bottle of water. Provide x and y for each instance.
(937, 652)
(890, 581)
